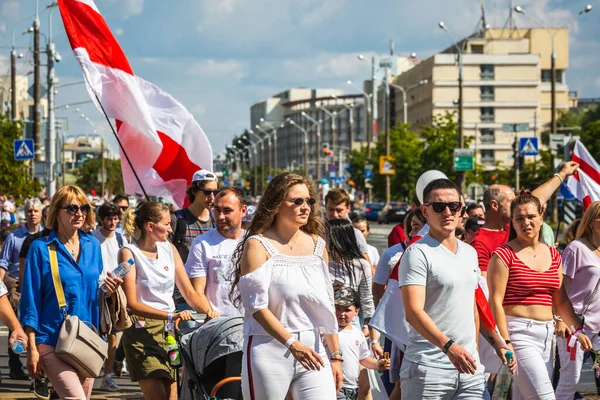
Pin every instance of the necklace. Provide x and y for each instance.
(531, 251)
(72, 249)
(290, 246)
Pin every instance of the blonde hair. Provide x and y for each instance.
(66, 195)
(585, 227)
(129, 222)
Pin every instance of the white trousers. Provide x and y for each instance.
(269, 370)
(570, 370)
(532, 341)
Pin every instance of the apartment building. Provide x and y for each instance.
(506, 80)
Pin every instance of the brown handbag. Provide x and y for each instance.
(78, 345)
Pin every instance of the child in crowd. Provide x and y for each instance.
(353, 344)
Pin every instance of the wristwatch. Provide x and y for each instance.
(447, 346)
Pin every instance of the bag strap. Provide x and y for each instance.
(60, 294)
(119, 239)
(589, 300)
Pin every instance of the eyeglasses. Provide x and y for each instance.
(72, 209)
(439, 206)
(123, 208)
(209, 192)
(309, 200)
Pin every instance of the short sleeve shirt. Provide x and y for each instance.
(450, 281)
(485, 241)
(354, 347)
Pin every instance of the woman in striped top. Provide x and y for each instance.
(525, 282)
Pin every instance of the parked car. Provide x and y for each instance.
(372, 210)
(394, 211)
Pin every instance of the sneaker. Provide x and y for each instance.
(40, 388)
(125, 371)
(19, 375)
(117, 368)
(109, 385)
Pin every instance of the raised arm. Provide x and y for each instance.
(545, 191)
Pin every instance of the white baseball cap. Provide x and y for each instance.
(204, 175)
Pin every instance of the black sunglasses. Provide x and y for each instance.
(439, 206)
(73, 208)
(123, 208)
(310, 201)
(209, 192)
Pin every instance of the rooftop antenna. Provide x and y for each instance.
(392, 47)
(482, 25)
(511, 24)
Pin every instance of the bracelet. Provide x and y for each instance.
(337, 352)
(559, 177)
(447, 346)
(558, 318)
(290, 341)
(507, 341)
(336, 360)
(170, 317)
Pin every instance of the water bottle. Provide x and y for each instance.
(121, 270)
(173, 351)
(503, 380)
(18, 346)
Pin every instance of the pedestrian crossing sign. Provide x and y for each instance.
(529, 146)
(23, 149)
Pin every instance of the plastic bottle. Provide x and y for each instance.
(173, 350)
(503, 380)
(18, 346)
(121, 270)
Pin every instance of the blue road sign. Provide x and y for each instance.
(23, 149)
(368, 174)
(529, 146)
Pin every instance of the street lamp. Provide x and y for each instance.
(552, 33)
(274, 132)
(305, 132)
(404, 96)
(333, 116)
(348, 107)
(254, 157)
(318, 125)
(270, 152)
(370, 116)
(262, 157)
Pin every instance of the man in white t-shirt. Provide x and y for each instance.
(438, 277)
(210, 261)
(110, 243)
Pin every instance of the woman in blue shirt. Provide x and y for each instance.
(80, 263)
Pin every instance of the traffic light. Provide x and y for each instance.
(224, 172)
(326, 151)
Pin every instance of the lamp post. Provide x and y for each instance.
(305, 132)
(552, 33)
(254, 173)
(373, 102)
(318, 125)
(459, 132)
(13, 71)
(350, 120)
(274, 132)
(262, 158)
(333, 116)
(404, 96)
(52, 55)
(370, 118)
(270, 152)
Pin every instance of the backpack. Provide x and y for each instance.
(179, 235)
(119, 239)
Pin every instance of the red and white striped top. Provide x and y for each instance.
(526, 286)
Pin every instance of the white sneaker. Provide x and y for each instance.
(125, 371)
(109, 385)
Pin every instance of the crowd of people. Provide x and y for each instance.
(456, 290)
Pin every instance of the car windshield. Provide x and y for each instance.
(374, 206)
(398, 206)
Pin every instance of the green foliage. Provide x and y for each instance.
(15, 176)
(590, 136)
(87, 175)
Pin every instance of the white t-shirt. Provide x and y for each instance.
(3, 289)
(373, 254)
(109, 248)
(211, 255)
(354, 348)
(386, 263)
(450, 280)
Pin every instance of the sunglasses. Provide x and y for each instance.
(123, 208)
(73, 208)
(209, 192)
(439, 206)
(309, 200)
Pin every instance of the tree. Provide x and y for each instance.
(440, 142)
(15, 176)
(590, 136)
(87, 175)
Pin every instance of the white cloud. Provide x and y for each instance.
(127, 8)
(118, 31)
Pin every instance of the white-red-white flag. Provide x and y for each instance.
(585, 183)
(163, 141)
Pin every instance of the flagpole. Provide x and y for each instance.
(122, 148)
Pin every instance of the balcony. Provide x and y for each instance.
(488, 139)
(487, 117)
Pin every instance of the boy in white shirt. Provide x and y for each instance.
(353, 344)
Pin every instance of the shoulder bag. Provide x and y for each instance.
(78, 345)
(581, 317)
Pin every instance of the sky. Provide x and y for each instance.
(218, 57)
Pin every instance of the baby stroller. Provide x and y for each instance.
(212, 359)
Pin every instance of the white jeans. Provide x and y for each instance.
(570, 370)
(532, 341)
(269, 370)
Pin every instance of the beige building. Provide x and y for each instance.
(506, 80)
(24, 101)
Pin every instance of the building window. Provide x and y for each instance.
(486, 72)
(547, 75)
(487, 114)
(487, 136)
(487, 93)
(487, 157)
(477, 48)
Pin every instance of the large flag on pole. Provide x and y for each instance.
(163, 141)
(585, 183)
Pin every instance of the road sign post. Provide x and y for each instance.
(515, 128)
(386, 165)
(23, 149)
